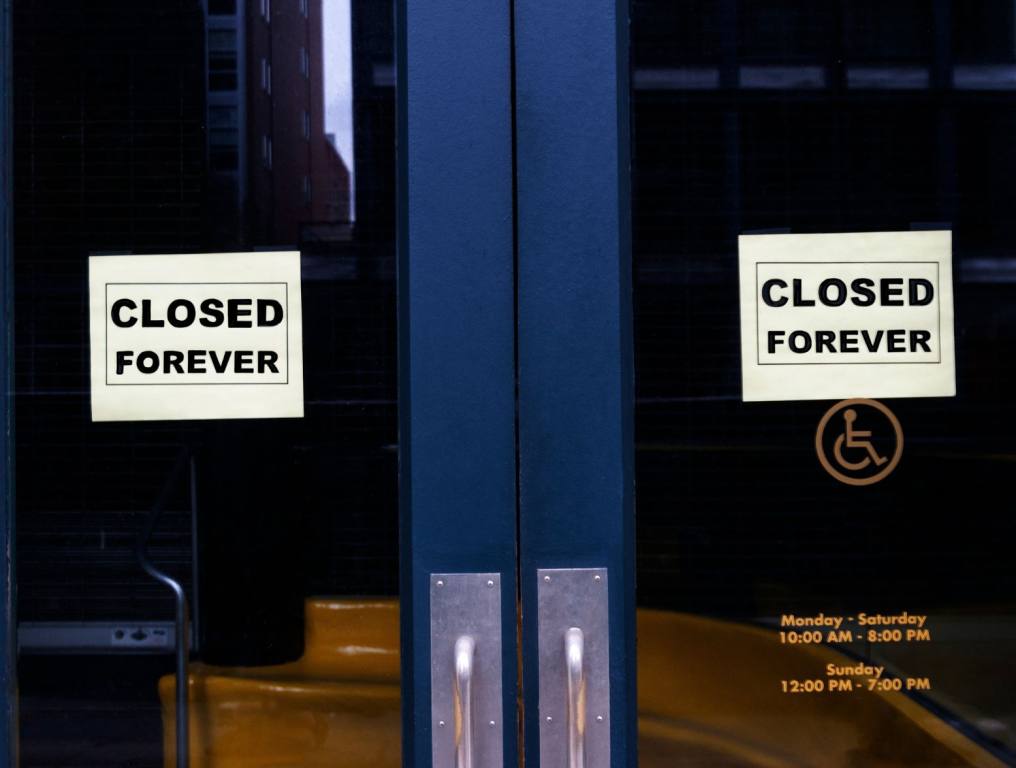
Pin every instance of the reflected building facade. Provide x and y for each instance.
(145, 127)
(273, 169)
(199, 125)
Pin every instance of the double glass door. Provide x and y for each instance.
(262, 588)
(153, 129)
(517, 226)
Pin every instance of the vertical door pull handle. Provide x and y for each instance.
(465, 648)
(574, 667)
(468, 715)
(573, 648)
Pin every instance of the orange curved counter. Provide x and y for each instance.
(706, 698)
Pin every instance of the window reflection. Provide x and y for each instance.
(796, 117)
(178, 126)
(266, 198)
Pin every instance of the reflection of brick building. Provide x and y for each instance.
(272, 166)
(330, 180)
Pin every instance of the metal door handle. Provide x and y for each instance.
(465, 647)
(574, 642)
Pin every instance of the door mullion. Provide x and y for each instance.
(456, 333)
(575, 339)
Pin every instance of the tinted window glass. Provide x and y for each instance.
(843, 117)
(147, 128)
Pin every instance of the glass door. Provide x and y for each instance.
(447, 546)
(786, 615)
(575, 383)
(264, 384)
(146, 131)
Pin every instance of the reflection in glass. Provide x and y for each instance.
(177, 126)
(784, 117)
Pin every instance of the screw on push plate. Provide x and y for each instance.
(550, 719)
(546, 578)
(599, 718)
(490, 582)
(440, 583)
(440, 723)
(596, 577)
(491, 723)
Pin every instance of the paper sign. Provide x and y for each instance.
(196, 336)
(837, 316)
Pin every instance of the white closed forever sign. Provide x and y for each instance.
(831, 316)
(196, 336)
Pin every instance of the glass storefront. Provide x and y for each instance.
(788, 612)
(759, 567)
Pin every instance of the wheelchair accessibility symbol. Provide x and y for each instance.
(859, 442)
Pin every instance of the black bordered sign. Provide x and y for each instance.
(196, 336)
(831, 316)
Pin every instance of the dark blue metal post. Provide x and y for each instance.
(8, 647)
(574, 324)
(456, 328)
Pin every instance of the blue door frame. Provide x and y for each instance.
(456, 330)
(576, 370)
(515, 327)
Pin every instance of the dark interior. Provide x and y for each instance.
(748, 116)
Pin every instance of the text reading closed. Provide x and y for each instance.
(196, 333)
(849, 312)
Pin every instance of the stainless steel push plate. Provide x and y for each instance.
(465, 670)
(574, 668)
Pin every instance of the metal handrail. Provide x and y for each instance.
(180, 598)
